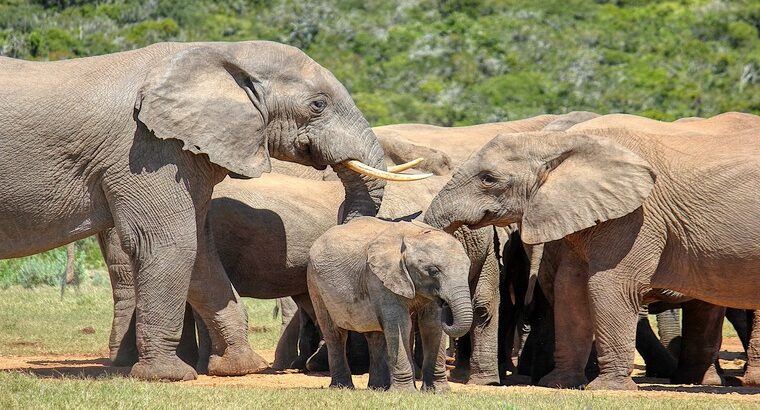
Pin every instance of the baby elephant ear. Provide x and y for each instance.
(203, 98)
(384, 259)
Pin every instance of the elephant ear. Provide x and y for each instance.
(585, 181)
(201, 97)
(385, 260)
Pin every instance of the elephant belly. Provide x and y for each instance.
(731, 283)
(359, 316)
(38, 221)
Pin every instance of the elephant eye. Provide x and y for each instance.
(433, 271)
(317, 106)
(487, 179)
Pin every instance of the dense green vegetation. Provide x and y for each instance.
(446, 62)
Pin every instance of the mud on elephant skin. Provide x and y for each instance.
(606, 193)
(137, 140)
(368, 275)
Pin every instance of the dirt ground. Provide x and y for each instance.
(53, 367)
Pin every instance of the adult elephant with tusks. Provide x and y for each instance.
(137, 141)
(636, 212)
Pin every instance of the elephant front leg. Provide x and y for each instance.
(573, 329)
(216, 302)
(397, 327)
(379, 374)
(615, 311)
(433, 349)
(752, 375)
(484, 361)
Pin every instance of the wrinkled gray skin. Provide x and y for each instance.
(137, 141)
(635, 211)
(444, 150)
(280, 217)
(368, 275)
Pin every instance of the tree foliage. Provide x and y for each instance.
(450, 62)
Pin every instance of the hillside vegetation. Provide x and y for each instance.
(450, 62)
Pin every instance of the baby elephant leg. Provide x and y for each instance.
(433, 348)
(397, 328)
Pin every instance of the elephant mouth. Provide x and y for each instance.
(447, 315)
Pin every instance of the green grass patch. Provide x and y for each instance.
(26, 391)
(38, 321)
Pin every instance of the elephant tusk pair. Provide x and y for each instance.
(364, 169)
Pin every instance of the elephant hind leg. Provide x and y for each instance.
(752, 375)
(335, 340)
(702, 336)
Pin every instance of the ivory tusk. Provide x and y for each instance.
(364, 169)
(403, 167)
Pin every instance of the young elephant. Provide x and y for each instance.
(368, 275)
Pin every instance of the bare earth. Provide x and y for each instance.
(55, 366)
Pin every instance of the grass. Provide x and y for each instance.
(24, 391)
(36, 321)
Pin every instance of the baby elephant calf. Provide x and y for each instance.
(368, 276)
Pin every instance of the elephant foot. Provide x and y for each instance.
(751, 377)
(123, 357)
(170, 369)
(484, 379)
(375, 385)
(236, 362)
(318, 362)
(563, 380)
(437, 387)
(202, 365)
(402, 387)
(342, 384)
(459, 374)
(612, 383)
(709, 377)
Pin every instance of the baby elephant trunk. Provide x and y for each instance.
(456, 312)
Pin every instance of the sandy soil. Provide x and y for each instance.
(54, 367)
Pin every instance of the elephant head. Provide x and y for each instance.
(239, 103)
(429, 263)
(552, 184)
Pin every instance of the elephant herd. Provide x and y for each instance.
(203, 169)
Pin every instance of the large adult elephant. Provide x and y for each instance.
(137, 141)
(635, 211)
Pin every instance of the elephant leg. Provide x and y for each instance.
(742, 322)
(122, 344)
(158, 232)
(752, 374)
(659, 361)
(572, 320)
(484, 361)
(702, 336)
(358, 353)
(379, 374)
(669, 330)
(335, 341)
(215, 300)
(433, 349)
(397, 328)
(616, 315)
(204, 344)
(286, 351)
(187, 350)
(462, 354)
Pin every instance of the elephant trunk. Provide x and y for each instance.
(439, 214)
(456, 315)
(364, 194)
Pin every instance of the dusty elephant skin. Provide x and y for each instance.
(137, 141)
(368, 275)
(636, 209)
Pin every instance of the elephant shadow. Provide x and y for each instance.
(96, 368)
